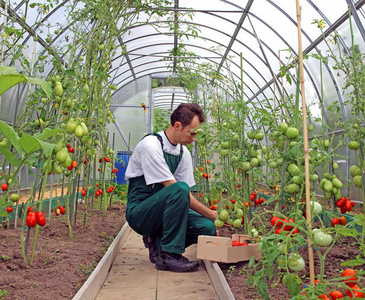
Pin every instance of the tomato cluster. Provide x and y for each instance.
(110, 189)
(345, 204)
(34, 218)
(257, 201)
(237, 243)
(283, 225)
(338, 221)
(70, 149)
(59, 210)
(115, 170)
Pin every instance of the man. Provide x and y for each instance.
(160, 205)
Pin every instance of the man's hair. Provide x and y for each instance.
(185, 113)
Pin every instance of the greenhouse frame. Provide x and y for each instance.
(281, 84)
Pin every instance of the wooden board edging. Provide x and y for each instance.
(218, 280)
(90, 289)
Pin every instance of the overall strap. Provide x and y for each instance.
(171, 160)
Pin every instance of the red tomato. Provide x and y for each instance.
(324, 297)
(254, 194)
(278, 230)
(62, 210)
(317, 281)
(336, 295)
(236, 243)
(343, 220)
(31, 220)
(288, 227)
(252, 197)
(85, 162)
(257, 201)
(74, 164)
(4, 186)
(355, 292)
(352, 280)
(9, 209)
(232, 201)
(341, 202)
(348, 205)
(244, 244)
(335, 221)
(261, 200)
(343, 209)
(57, 211)
(100, 160)
(283, 206)
(68, 146)
(97, 193)
(277, 221)
(352, 203)
(83, 192)
(41, 220)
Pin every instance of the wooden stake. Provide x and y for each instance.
(306, 146)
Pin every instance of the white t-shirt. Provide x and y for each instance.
(148, 160)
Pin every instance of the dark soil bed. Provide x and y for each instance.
(61, 265)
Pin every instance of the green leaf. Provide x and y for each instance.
(9, 77)
(251, 262)
(293, 283)
(353, 262)
(3, 214)
(31, 144)
(70, 72)
(345, 231)
(262, 289)
(249, 279)
(11, 135)
(47, 133)
(46, 87)
(10, 156)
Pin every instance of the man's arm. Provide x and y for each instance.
(196, 205)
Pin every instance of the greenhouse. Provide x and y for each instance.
(233, 130)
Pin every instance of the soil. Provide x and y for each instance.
(61, 265)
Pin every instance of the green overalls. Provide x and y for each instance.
(164, 211)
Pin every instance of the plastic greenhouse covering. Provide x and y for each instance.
(232, 51)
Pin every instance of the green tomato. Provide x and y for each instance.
(254, 232)
(56, 168)
(292, 188)
(251, 135)
(58, 89)
(297, 179)
(225, 145)
(218, 223)
(292, 132)
(259, 136)
(223, 215)
(254, 162)
(293, 170)
(328, 186)
(357, 181)
(14, 197)
(244, 166)
(313, 177)
(283, 127)
(337, 183)
(317, 207)
(67, 162)
(264, 150)
(310, 127)
(237, 223)
(296, 262)
(238, 213)
(273, 164)
(355, 170)
(4, 143)
(322, 239)
(62, 155)
(78, 131)
(335, 166)
(353, 145)
(71, 125)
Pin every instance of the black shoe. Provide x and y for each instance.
(175, 263)
(150, 243)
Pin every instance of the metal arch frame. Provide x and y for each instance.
(208, 59)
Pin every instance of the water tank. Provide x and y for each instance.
(121, 163)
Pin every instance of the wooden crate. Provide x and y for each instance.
(220, 249)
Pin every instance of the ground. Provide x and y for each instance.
(61, 265)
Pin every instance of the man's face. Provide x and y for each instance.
(187, 135)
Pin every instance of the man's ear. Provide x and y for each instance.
(177, 126)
